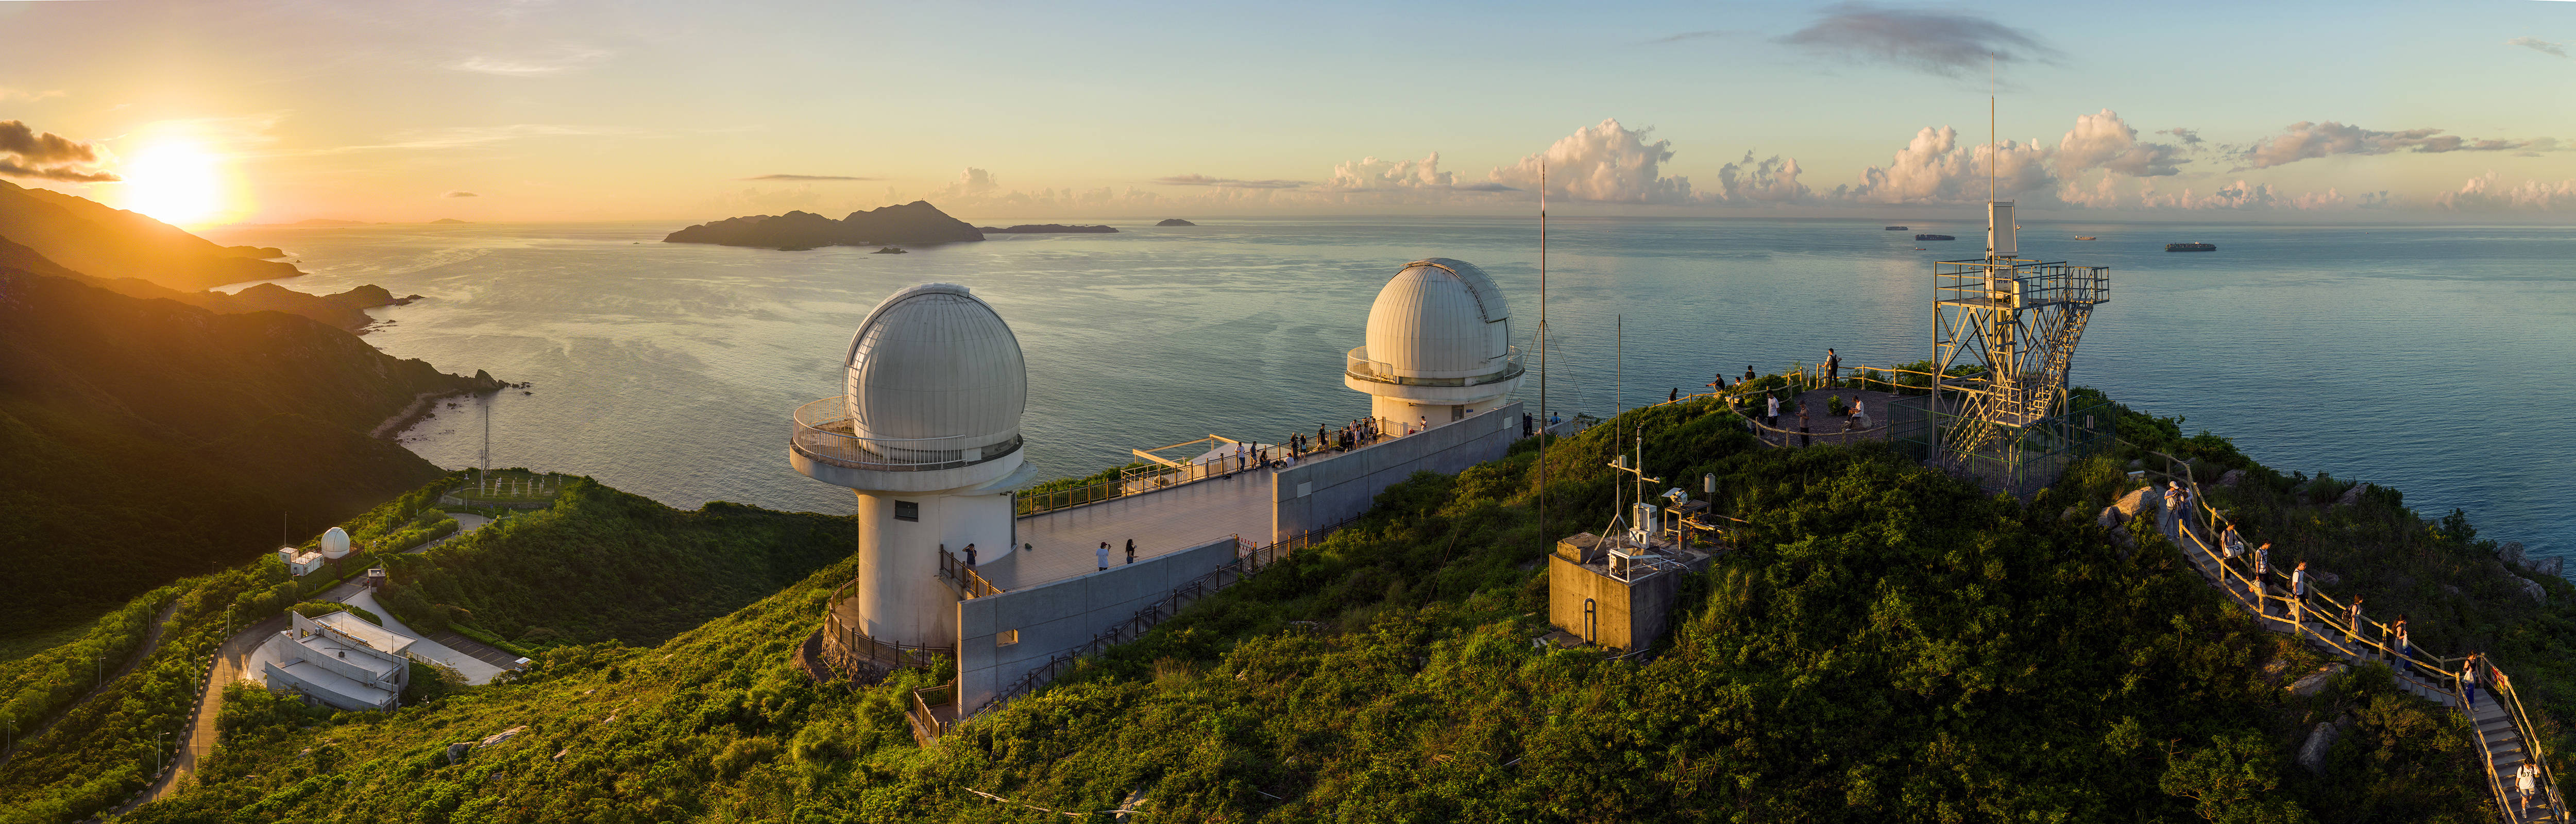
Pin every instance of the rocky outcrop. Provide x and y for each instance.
(2352, 496)
(2232, 477)
(917, 222)
(2312, 754)
(2316, 683)
(1174, 221)
(2141, 501)
(1048, 229)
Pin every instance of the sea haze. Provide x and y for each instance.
(2431, 359)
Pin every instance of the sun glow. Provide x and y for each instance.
(179, 183)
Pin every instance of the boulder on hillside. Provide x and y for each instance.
(2312, 754)
(2532, 588)
(2511, 552)
(2352, 496)
(2141, 501)
(2232, 478)
(2315, 683)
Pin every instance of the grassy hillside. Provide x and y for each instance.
(1891, 645)
(149, 441)
(607, 565)
(602, 565)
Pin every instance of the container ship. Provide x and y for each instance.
(1898, 229)
(2190, 247)
(1934, 237)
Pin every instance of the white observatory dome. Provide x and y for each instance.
(335, 544)
(1439, 318)
(934, 370)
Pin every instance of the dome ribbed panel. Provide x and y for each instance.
(1439, 318)
(936, 362)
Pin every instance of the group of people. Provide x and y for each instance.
(2257, 560)
(1104, 553)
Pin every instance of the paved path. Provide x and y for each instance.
(202, 732)
(465, 522)
(477, 670)
(151, 641)
(1067, 540)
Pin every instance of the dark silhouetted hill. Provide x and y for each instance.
(917, 222)
(146, 440)
(113, 243)
(346, 310)
(1174, 221)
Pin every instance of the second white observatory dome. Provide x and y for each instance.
(1439, 345)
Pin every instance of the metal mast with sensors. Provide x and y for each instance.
(2013, 322)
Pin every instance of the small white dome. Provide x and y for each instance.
(335, 543)
(1440, 318)
(934, 368)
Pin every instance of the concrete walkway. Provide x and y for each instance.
(477, 671)
(1067, 541)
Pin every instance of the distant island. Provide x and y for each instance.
(448, 220)
(917, 222)
(1175, 222)
(1048, 229)
(325, 222)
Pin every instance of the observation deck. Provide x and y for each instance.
(824, 443)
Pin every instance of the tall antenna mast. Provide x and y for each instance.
(1991, 146)
(1543, 534)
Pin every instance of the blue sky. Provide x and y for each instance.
(649, 111)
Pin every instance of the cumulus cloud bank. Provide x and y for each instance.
(2304, 140)
(2485, 194)
(1606, 163)
(1934, 168)
(2105, 141)
(1769, 180)
(1942, 43)
(25, 152)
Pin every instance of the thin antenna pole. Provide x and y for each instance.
(1543, 534)
(1619, 372)
(1992, 158)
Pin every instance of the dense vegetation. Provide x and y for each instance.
(150, 441)
(603, 564)
(1889, 643)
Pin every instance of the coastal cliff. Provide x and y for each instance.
(346, 310)
(101, 242)
(148, 439)
(917, 222)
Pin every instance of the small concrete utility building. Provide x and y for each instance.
(1439, 347)
(338, 660)
(299, 561)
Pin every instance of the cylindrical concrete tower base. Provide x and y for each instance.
(900, 537)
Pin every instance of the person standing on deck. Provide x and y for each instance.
(970, 554)
(1748, 375)
(2173, 502)
(1804, 439)
(1322, 437)
(1104, 556)
(2230, 544)
(1674, 395)
(1426, 424)
(1833, 368)
(1131, 550)
(1775, 412)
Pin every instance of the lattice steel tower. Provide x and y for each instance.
(2015, 323)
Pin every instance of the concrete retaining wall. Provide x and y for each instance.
(1320, 493)
(1055, 617)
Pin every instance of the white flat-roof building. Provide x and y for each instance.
(299, 561)
(339, 660)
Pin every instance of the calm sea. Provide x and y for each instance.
(2432, 359)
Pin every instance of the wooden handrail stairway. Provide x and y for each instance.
(2505, 734)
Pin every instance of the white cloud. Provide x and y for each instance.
(8, 94)
(2485, 194)
(1771, 180)
(2539, 45)
(2105, 141)
(458, 137)
(1606, 163)
(1369, 174)
(1944, 43)
(555, 61)
(1934, 168)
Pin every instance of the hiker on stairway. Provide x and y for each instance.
(2405, 646)
(2262, 568)
(2469, 683)
(2299, 598)
(2352, 623)
(2527, 779)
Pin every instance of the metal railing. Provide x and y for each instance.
(2357, 638)
(1357, 364)
(824, 431)
(1154, 477)
(927, 726)
(969, 583)
(848, 649)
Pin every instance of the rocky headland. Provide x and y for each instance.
(1174, 221)
(917, 222)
